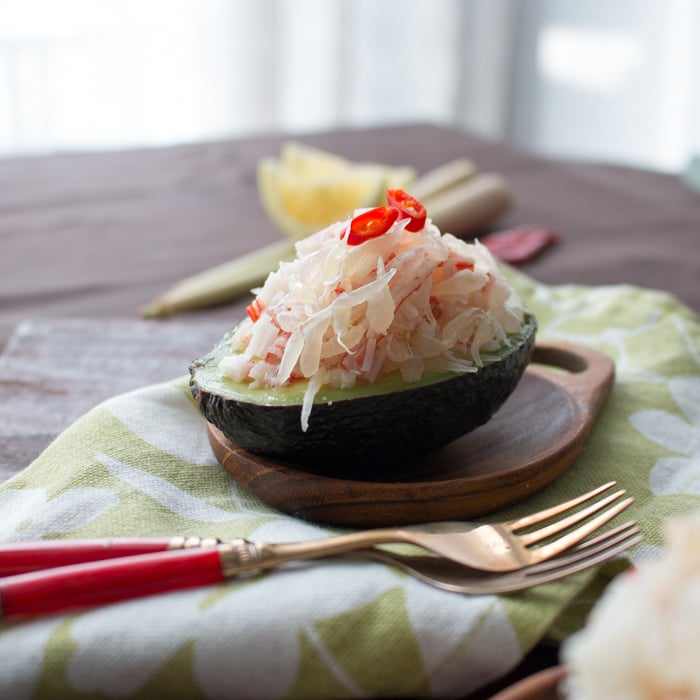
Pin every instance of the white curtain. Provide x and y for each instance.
(114, 73)
(613, 81)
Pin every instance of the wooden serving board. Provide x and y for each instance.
(535, 436)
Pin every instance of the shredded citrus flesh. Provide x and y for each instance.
(339, 314)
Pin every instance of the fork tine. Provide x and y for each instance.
(554, 548)
(547, 513)
(531, 576)
(560, 525)
(457, 579)
(601, 556)
(590, 547)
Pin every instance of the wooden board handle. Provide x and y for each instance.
(587, 374)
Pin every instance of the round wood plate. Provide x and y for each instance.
(535, 436)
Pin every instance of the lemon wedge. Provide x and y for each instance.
(306, 160)
(307, 189)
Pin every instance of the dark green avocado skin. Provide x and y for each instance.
(383, 428)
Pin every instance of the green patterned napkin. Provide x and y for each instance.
(140, 464)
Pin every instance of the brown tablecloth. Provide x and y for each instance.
(96, 236)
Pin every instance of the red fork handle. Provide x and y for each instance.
(101, 582)
(21, 557)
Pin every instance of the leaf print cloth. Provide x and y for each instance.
(140, 464)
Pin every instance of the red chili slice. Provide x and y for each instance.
(409, 208)
(371, 224)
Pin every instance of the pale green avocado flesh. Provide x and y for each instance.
(369, 423)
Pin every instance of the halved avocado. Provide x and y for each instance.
(383, 422)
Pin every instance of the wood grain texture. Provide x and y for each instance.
(55, 370)
(534, 438)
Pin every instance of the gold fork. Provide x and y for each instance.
(490, 547)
